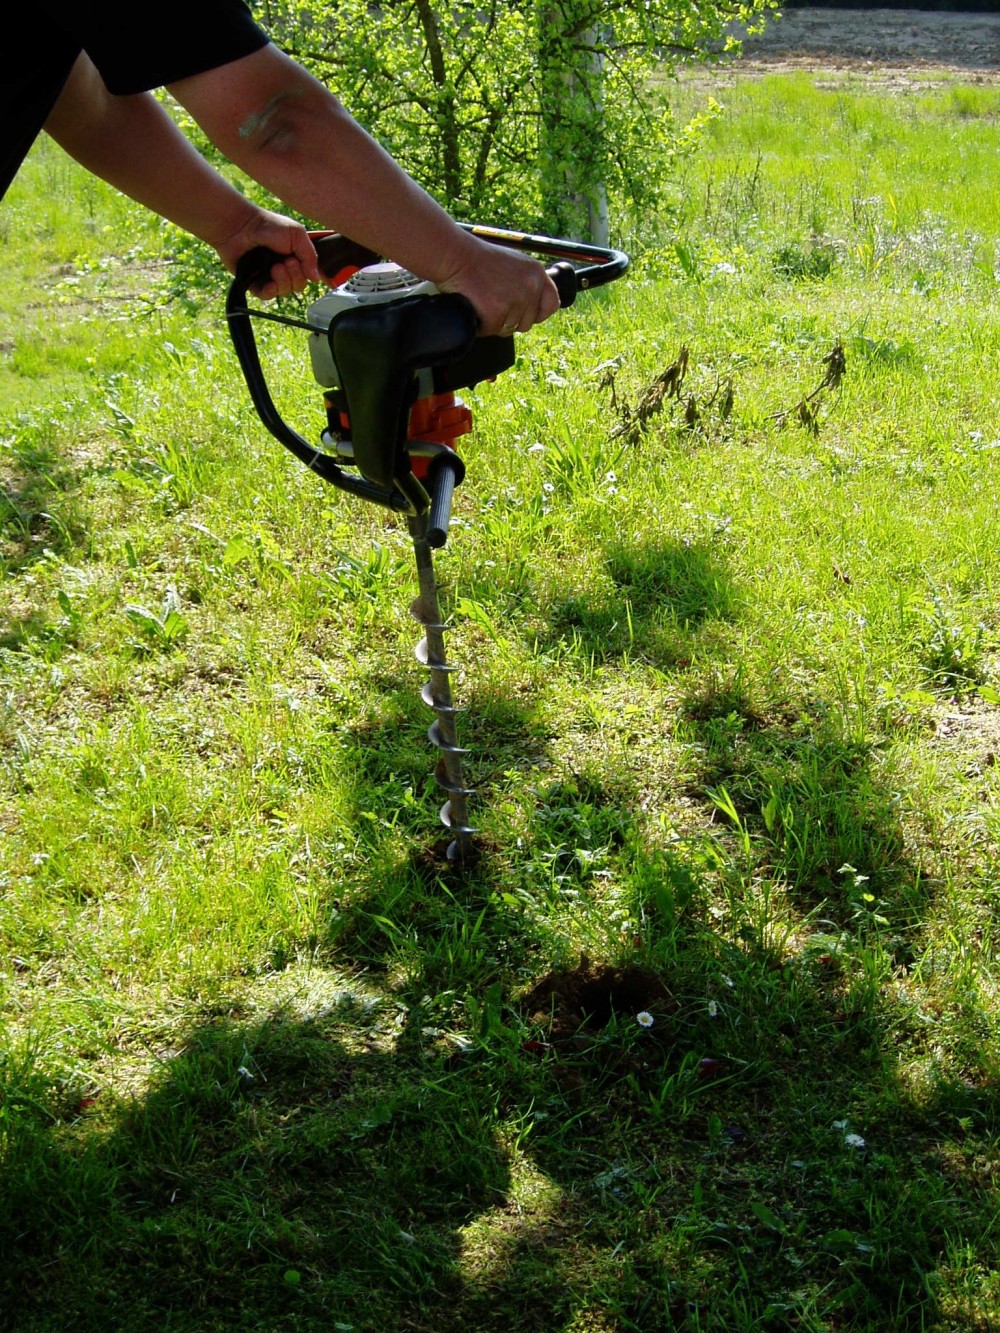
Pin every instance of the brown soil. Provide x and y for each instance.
(587, 997)
(879, 40)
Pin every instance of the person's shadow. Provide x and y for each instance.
(426, 1124)
(348, 1159)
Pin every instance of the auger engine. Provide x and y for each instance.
(391, 354)
(436, 416)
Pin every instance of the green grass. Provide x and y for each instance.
(267, 1060)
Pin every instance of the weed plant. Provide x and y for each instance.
(706, 1038)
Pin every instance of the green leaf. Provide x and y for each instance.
(839, 1240)
(237, 550)
(765, 1216)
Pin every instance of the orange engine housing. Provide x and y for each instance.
(440, 418)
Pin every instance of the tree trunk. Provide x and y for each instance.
(447, 119)
(571, 135)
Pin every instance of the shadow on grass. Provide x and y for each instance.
(279, 1173)
(39, 512)
(652, 601)
(807, 800)
(422, 1133)
(343, 1162)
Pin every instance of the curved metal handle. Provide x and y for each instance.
(598, 264)
(251, 268)
(579, 267)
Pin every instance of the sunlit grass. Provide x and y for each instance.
(794, 154)
(732, 686)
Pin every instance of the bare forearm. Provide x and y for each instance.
(301, 144)
(336, 173)
(133, 143)
(288, 132)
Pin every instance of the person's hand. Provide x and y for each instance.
(285, 237)
(510, 291)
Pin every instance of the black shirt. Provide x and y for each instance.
(133, 51)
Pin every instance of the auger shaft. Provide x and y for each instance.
(437, 695)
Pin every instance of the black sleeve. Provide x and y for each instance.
(137, 48)
(29, 87)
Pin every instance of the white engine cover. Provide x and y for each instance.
(374, 285)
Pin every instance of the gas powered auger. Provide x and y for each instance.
(390, 352)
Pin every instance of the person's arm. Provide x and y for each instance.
(134, 144)
(284, 128)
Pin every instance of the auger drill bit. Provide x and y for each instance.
(448, 771)
(390, 351)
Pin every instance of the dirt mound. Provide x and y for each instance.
(587, 997)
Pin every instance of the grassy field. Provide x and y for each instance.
(723, 586)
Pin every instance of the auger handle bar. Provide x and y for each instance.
(579, 267)
(597, 264)
(252, 268)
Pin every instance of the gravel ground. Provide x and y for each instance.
(871, 38)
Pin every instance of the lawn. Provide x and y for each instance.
(706, 1036)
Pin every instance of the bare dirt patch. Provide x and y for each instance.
(587, 997)
(880, 41)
